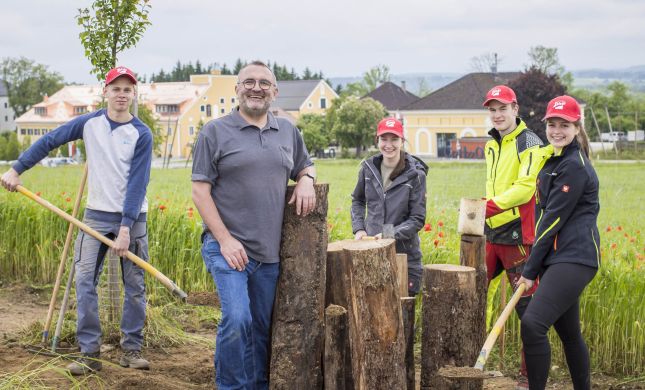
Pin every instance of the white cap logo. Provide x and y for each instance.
(495, 92)
(390, 123)
(122, 70)
(559, 105)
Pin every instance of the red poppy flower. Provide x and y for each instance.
(38, 193)
(68, 199)
(162, 207)
(619, 228)
(427, 227)
(633, 239)
(441, 234)
(613, 246)
(436, 242)
(608, 228)
(440, 223)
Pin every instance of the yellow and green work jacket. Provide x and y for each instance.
(512, 165)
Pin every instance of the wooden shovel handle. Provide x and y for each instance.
(497, 328)
(169, 284)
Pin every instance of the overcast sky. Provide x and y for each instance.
(341, 38)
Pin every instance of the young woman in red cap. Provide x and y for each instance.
(392, 189)
(566, 252)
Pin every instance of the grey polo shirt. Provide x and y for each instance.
(249, 169)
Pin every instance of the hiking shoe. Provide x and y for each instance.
(133, 359)
(87, 363)
(522, 383)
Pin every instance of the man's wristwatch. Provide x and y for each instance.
(310, 176)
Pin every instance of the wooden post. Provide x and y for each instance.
(451, 324)
(472, 253)
(298, 314)
(407, 309)
(376, 325)
(336, 347)
(402, 273)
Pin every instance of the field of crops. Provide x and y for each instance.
(31, 240)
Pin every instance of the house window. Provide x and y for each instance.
(30, 131)
(169, 130)
(78, 110)
(6, 118)
(208, 110)
(310, 104)
(5, 104)
(191, 130)
(233, 100)
(22, 131)
(36, 131)
(323, 103)
(221, 100)
(223, 111)
(201, 108)
(167, 108)
(41, 111)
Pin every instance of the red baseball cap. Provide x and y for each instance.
(502, 94)
(564, 107)
(390, 125)
(117, 72)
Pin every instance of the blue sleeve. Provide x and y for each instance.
(138, 179)
(68, 132)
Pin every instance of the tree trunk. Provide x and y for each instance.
(402, 273)
(472, 253)
(407, 309)
(298, 315)
(336, 346)
(338, 292)
(376, 326)
(451, 324)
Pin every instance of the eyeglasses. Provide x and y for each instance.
(250, 84)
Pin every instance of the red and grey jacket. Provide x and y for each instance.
(512, 164)
(567, 210)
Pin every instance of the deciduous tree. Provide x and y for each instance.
(354, 121)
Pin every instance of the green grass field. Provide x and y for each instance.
(31, 240)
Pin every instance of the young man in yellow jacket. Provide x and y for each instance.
(513, 160)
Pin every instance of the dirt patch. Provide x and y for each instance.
(21, 305)
(204, 299)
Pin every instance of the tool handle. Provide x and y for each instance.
(497, 328)
(169, 284)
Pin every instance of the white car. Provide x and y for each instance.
(56, 161)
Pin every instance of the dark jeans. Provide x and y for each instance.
(556, 303)
(242, 343)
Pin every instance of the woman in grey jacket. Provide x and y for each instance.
(391, 188)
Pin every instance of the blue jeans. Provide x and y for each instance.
(242, 343)
(89, 254)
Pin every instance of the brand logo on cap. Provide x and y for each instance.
(495, 92)
(122, 70)
(390, 123)
(559, 105)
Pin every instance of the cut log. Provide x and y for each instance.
(451, 324)
(336, 346)
(402, 273)
(298, 314)
(376, 326)
(407, 309)
(472, 253)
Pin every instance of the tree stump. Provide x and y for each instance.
(402, 273)
(407, 309)
(451, 324)
(376, 326)
(336, 347)
(298, 314)
(472, 253)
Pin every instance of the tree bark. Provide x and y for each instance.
(298, 315)
(336, 346)
(407, 309)
(451, 324)
(472, 253)
(376, 326)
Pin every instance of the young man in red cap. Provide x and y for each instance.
(119, 156)
(513, 160)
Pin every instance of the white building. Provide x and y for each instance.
(7, 116)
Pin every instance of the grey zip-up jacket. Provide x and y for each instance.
(403, 204)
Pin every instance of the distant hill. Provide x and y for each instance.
(633, 76)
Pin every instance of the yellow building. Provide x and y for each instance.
(179, 107)
(452, 112)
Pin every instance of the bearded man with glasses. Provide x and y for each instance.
(243, 162)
